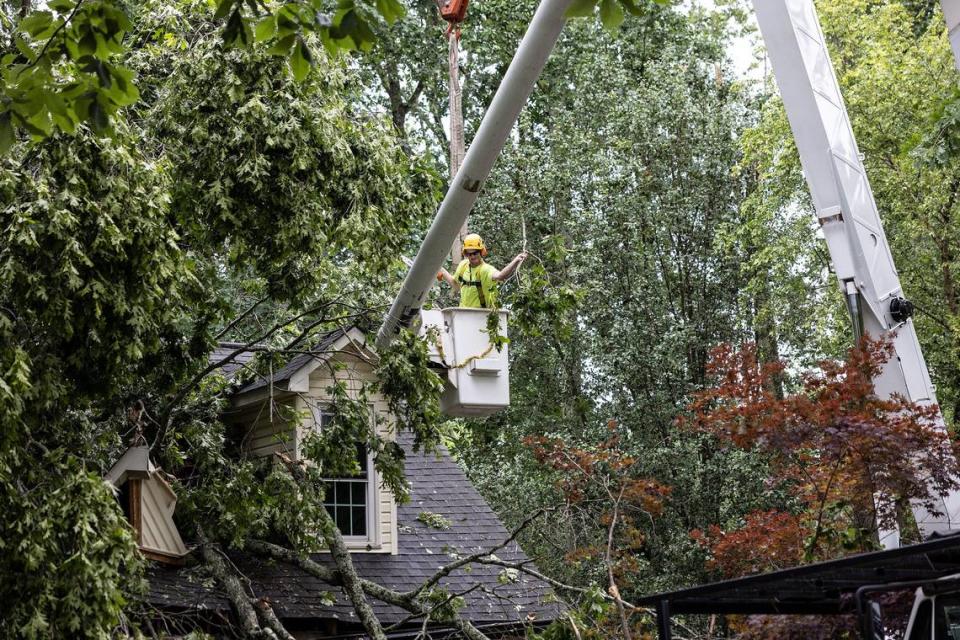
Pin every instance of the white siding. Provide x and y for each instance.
(269, 429)
(156, 518)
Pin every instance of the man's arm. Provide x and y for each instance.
(508, 270)
(444, 275)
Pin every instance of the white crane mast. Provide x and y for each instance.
(845, 208)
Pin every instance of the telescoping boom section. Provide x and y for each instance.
(845, 207)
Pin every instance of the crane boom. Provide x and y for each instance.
(845, 207)
(504, 109)
(951, 14)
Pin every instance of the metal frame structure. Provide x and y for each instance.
(834, 587)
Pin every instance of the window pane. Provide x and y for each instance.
(948, 617)
(362, 459)
(359, 524)
(346, 498)
(342, 493)
(361, 462)
(359, 491)
(343, 520)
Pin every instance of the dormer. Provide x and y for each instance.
(276, 412)
(148, 501)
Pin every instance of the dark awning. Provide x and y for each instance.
(821, 588)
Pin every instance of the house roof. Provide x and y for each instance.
(224, 350)
(821, 588)
(438, 486)
(303, 362)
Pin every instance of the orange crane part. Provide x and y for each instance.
(453, 11)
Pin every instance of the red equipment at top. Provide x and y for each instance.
(453, 11)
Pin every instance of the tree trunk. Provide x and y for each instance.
(457, 144)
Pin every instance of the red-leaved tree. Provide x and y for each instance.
(851, 458)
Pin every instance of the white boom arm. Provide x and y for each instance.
(844, 204)
(499, 119)
(951, 13)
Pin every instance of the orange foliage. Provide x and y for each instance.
(769, 540)
(602, 480)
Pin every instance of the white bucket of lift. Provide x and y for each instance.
(478, 375)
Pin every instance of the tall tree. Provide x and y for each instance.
(115, 257)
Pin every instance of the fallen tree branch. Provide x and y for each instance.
(333, 577)
(246, 614)
(448, 569)
(521, 566)
(269, 618)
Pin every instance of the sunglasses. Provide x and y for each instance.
(471, 253)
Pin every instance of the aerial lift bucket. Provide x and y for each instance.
(477, 381)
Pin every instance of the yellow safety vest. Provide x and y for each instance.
(478, 289)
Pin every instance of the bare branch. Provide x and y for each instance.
(241, 317)
(166, 413)
(449, 568)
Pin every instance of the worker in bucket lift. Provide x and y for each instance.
(475, 279)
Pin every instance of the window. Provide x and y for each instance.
(948, 617)
(347, 498)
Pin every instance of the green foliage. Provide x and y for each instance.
(76, 328)
(434, 520)
(60, 68)
(540, 305)
(412, 389)
(612, 12)
(593, 619)
(233, 193)
(443, 605)
(336, 189)
(67, 555)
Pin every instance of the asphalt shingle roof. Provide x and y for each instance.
(438, 486)
(224, 350)
(241, 358)
(320, 351)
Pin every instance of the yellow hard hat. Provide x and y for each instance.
(473, 242)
